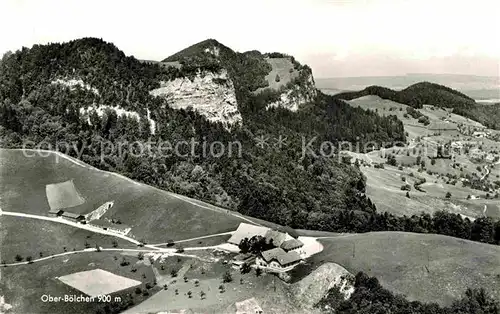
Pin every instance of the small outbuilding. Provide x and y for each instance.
(73, 216)
(290, 245)
(241, 259)
(56, 212)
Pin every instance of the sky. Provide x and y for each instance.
(337, 38)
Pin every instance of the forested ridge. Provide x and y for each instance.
(278, 184)
(369, 297)
(426, 93)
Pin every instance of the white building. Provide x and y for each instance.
(278, 259)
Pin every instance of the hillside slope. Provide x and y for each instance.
(154, 215)
(422, 93)
(428, 268)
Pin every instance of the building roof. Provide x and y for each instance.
(71, 215)
(247, 231)
(272, 254)
(291, 244)
(277, 237)
(55, 210)
(288, 258)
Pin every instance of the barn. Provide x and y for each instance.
(73, 216)
(292, 244)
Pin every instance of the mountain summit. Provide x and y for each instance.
(211, 77)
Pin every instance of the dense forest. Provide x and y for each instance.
(425, 93)
(279, 184)
(369, 297)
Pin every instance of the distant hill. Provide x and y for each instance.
(415, 95)
(197, 49)
(418, 94)
(477, 87)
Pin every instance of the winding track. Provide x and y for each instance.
(71, 223)
(148, 248)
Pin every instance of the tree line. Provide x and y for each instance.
(370, 297)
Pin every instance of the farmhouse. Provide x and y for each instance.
(248, 231)
(278, 259)
(283, 257)
(289, 259)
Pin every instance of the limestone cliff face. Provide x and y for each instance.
(211, 94)
(100, 110)
(310, 290)
(72, 83)
(297, 95)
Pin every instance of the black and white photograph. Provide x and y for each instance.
(249, 157)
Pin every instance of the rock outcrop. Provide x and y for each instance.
(100, 110)
(310, 290)
(73, 83)
(297, 95)
(211, 94)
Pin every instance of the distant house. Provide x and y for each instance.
(278, 259)
(56, 212)
(457, 145)
(292, 244)
(241, 259)
(73, 216)
(479, 134)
